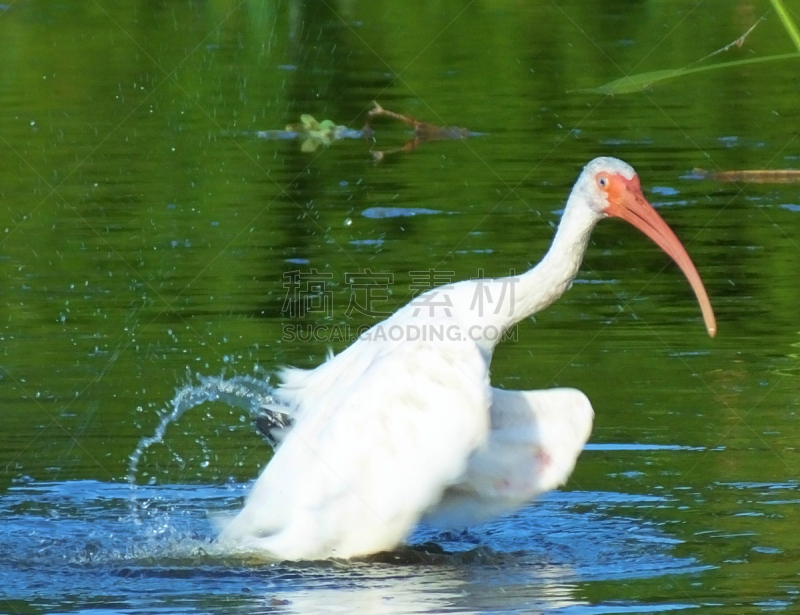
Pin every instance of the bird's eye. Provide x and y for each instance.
(603, 181)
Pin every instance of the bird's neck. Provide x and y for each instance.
(537, 288)
(552, 277)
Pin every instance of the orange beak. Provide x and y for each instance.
(626, 201)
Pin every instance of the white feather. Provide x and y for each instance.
(397, 428)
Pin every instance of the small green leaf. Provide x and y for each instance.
(309, 122)
(309, 145)
(637, 83)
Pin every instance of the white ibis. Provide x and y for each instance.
(404, 425)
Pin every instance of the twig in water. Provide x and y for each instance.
(737, 43)
(754, 176)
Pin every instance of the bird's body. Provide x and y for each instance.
(404, 424)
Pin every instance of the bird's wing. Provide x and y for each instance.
(535, 440)
(354, 475)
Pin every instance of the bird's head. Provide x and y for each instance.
(611, 188)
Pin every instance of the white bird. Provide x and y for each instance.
(404, 425)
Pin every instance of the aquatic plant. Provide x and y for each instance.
(641, 81)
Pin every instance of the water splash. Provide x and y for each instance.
(246, 392)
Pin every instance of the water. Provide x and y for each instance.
(147, 230)
(166, 555)
(245, 392)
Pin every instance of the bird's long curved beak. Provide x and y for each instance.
(628, 203)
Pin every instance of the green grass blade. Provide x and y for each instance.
(791, 28)
(637, 83)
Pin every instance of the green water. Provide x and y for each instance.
(145, 231)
